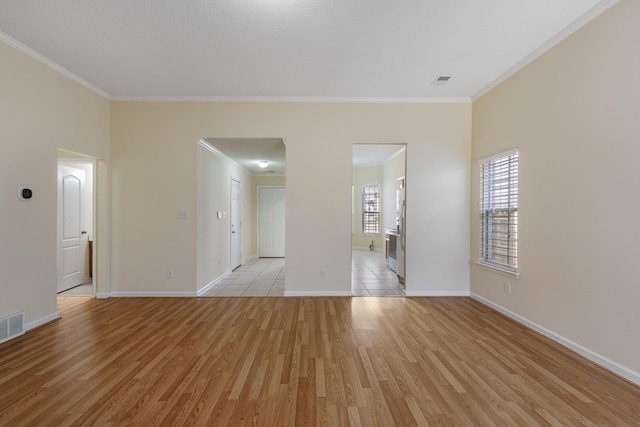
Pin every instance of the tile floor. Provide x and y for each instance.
(262, 277)
(370, 275)
(258, 277)
(78, 291)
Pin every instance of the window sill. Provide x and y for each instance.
(495, 268)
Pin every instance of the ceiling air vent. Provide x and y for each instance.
(440, 80)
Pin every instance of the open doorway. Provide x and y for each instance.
(76, 224)
(240, 245)
(378, 220)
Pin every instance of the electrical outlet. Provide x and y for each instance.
(323, 272)
(507, 287)
(169, 274)
(184, 214)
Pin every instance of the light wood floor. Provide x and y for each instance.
(300, 361)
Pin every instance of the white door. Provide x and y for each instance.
(70, 247)
(271, 220)
(235, 224)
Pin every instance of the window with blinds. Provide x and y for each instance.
(370, 209)
(499, 211)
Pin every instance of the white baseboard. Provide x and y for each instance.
(317, 293)
(102, 295)
(152, 294)
(366, 248)
(606, 363)
(212, 283)
(437, 293)
(41, 321)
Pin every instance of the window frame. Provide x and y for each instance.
(366, 213)
(499, 191)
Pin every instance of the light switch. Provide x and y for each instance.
(219, 214)
(224, 214)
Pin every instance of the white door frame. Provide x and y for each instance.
(258, 213)
(93, 163)
(238, 227)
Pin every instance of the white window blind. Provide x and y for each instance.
(499, 211)
(370, 209)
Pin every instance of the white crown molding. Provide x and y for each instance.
(402, 151)
(49, 63)
(205, 144)
(575, 26)
(606, 363)
(293, 99)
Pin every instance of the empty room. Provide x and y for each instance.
(484, 271)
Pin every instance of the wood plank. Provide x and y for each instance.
(305, 361)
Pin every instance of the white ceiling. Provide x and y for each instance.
(374, 154)
(247, 152)
(290, 49)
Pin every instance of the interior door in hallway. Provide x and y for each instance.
(70, 234)
(271, 222)
(236, 226)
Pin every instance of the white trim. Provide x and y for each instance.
(41, 321)
(103, 295)
(88, 160)
(152, 294)
(507, 153)
(566, 32)
(52, 65)
(212, 284)
(436, 293)
(498, 269)
(606, 363)
(296, 99)
(205, 144)
(317, 293)
(366, 248)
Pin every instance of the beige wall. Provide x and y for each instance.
(154, 176)
(574, 114)
(392, 169)
(362, 176)
(262, 181)
(213, 233)
(40, 111)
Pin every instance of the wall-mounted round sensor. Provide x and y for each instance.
(25, 193)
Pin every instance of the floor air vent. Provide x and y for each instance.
(11, 326)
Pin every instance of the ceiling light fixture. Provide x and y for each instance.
(263, 164)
